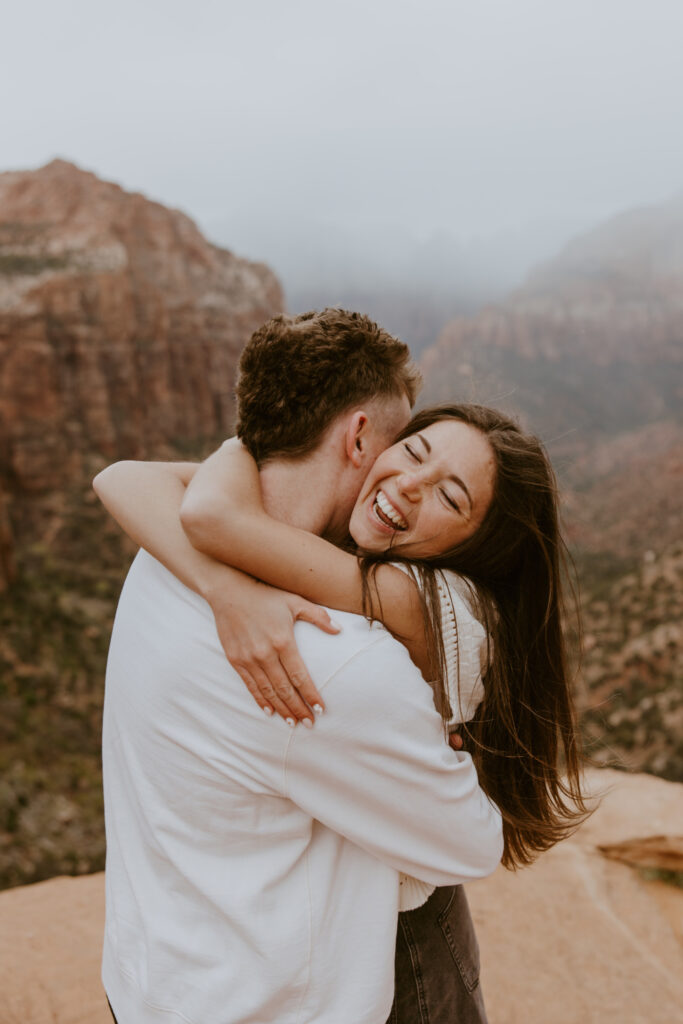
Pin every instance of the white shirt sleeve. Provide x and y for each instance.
(377, 769)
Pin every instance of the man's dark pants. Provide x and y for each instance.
(437, 963)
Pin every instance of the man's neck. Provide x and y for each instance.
(302, 492)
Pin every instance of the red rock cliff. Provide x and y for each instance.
(120, 326)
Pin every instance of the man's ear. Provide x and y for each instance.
(355, 437)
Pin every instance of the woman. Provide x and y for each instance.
(457, 519)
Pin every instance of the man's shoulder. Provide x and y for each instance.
(154, 597)
(153, 604)
(361, 647)
(148, 580)
(372, 689)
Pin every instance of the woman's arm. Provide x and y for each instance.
(143, 498)
(254, 622)
(223, 515)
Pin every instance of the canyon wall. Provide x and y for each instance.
(120, 329)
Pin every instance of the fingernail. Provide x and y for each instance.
(335, 625)
(318, 709)
(290, 722)
(268, 711)
(307, 722)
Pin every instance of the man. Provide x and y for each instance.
(252, 869)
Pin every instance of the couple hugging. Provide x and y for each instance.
(288, 826)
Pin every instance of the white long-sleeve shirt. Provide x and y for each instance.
(252, 870)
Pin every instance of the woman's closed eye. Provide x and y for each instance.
(448, 500)
(451, 502)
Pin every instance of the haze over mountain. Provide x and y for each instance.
(441, 148)
(412, 283)
(590, 344)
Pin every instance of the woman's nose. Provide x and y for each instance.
(409, 485)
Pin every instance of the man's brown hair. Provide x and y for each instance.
(298, 373)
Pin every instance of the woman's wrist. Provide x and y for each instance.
(218, 583)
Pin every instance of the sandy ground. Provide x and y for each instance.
(575, 939)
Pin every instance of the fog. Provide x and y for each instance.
(436, 145)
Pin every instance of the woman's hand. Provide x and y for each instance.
(455, 740)
(257, 635)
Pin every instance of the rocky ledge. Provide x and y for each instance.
(590, 934)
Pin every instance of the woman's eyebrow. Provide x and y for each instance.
(426, 443)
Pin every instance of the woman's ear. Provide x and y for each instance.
(355, 438)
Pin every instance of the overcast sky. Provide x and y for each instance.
(469, 117)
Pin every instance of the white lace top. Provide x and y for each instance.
(465, 650)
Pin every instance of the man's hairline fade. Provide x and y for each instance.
(289, 456)
(282, 412)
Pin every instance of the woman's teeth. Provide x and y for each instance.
(387, 514)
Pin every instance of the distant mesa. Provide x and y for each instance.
(120, 326)
(641, 248)
(591, 346)
(589, 355)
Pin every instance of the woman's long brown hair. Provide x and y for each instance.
(523, 737)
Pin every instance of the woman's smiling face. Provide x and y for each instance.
(426, 493)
